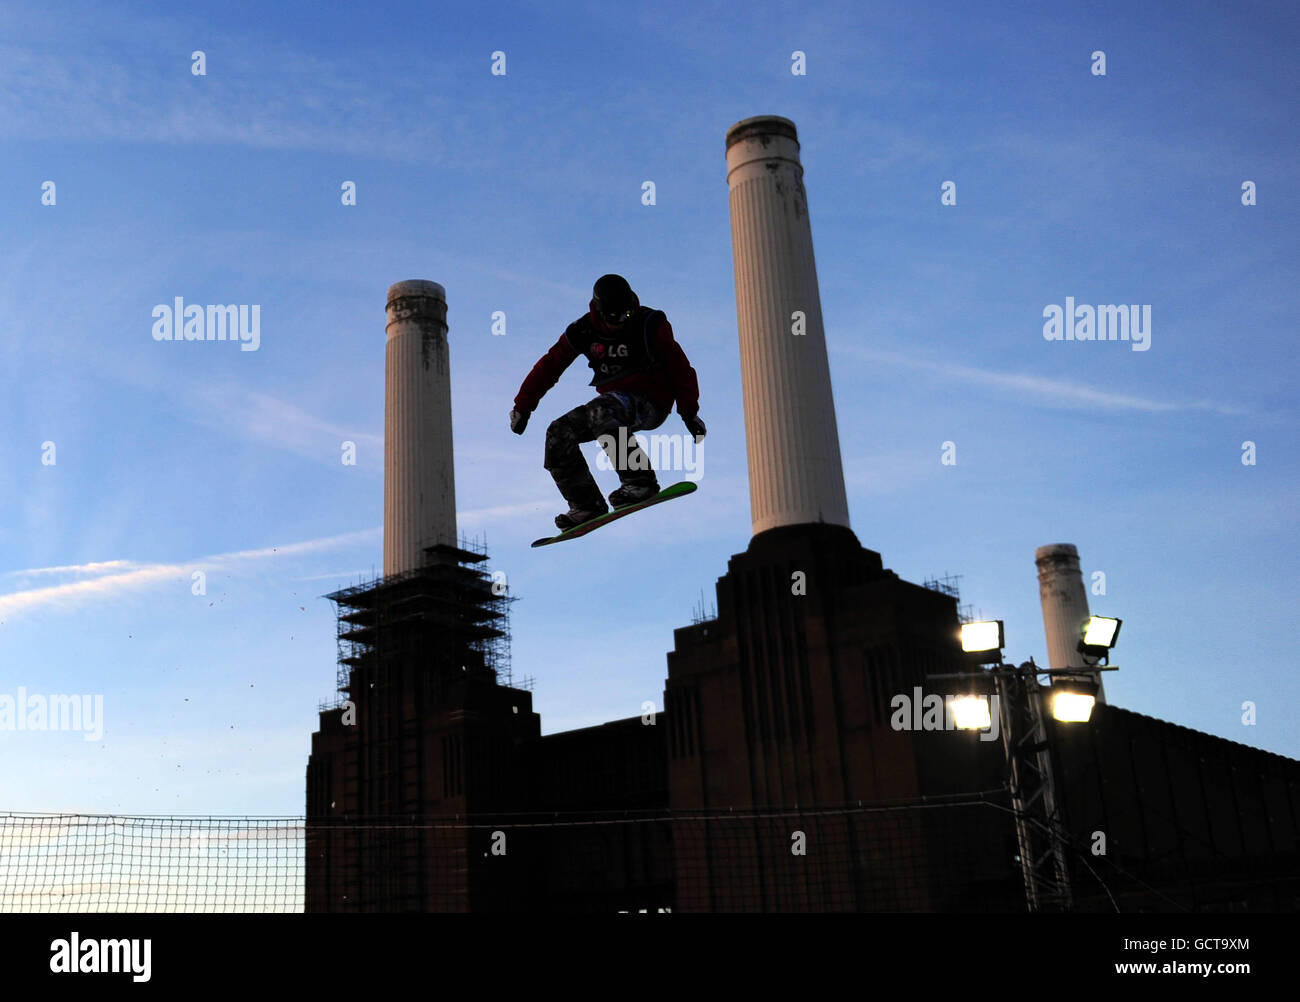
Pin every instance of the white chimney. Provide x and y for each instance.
(1065, 606)
(419, 481)
(793, 446)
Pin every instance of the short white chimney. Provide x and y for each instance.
(1065, 606)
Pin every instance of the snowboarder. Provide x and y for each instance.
(639, 371)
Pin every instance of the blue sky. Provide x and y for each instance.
(515, 193)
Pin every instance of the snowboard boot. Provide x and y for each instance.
(575, 516)
(630, 494)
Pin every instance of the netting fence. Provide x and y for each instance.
(874, 858)
(113, 863)
(955, 855)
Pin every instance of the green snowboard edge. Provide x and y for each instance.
(667, 494)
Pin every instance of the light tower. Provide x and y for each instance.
(793, 447)
(419, 479)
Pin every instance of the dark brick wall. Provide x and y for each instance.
(775, 711)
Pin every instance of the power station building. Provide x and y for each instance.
(777, 777)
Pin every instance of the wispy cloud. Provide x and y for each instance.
(319, 104)
(296, 549)
(504, 511)
(99, 567)
(102, 587)
(1042, 389)
(263, 418)
(128, 576)
(111, 578)
(259, 92)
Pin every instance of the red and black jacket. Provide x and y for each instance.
(640, 357)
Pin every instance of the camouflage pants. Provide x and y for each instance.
(601, 419)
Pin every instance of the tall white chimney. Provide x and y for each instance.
(793, 446)
(1065, 606)
(419, 480)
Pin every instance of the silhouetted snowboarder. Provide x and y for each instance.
(639, 371)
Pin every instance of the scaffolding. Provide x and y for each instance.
(950, 585)
(702, 612)
(450, 615)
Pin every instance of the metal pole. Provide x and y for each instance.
(1032, 786)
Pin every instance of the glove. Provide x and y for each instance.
(696, 427)
(518, 422)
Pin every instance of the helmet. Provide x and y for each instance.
(614, 299)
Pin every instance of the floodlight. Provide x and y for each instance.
(983, 638)
(1101, 631)
(1073, 699)
(1099, 636)
(971, 713)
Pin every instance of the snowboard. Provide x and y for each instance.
(667, 494)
